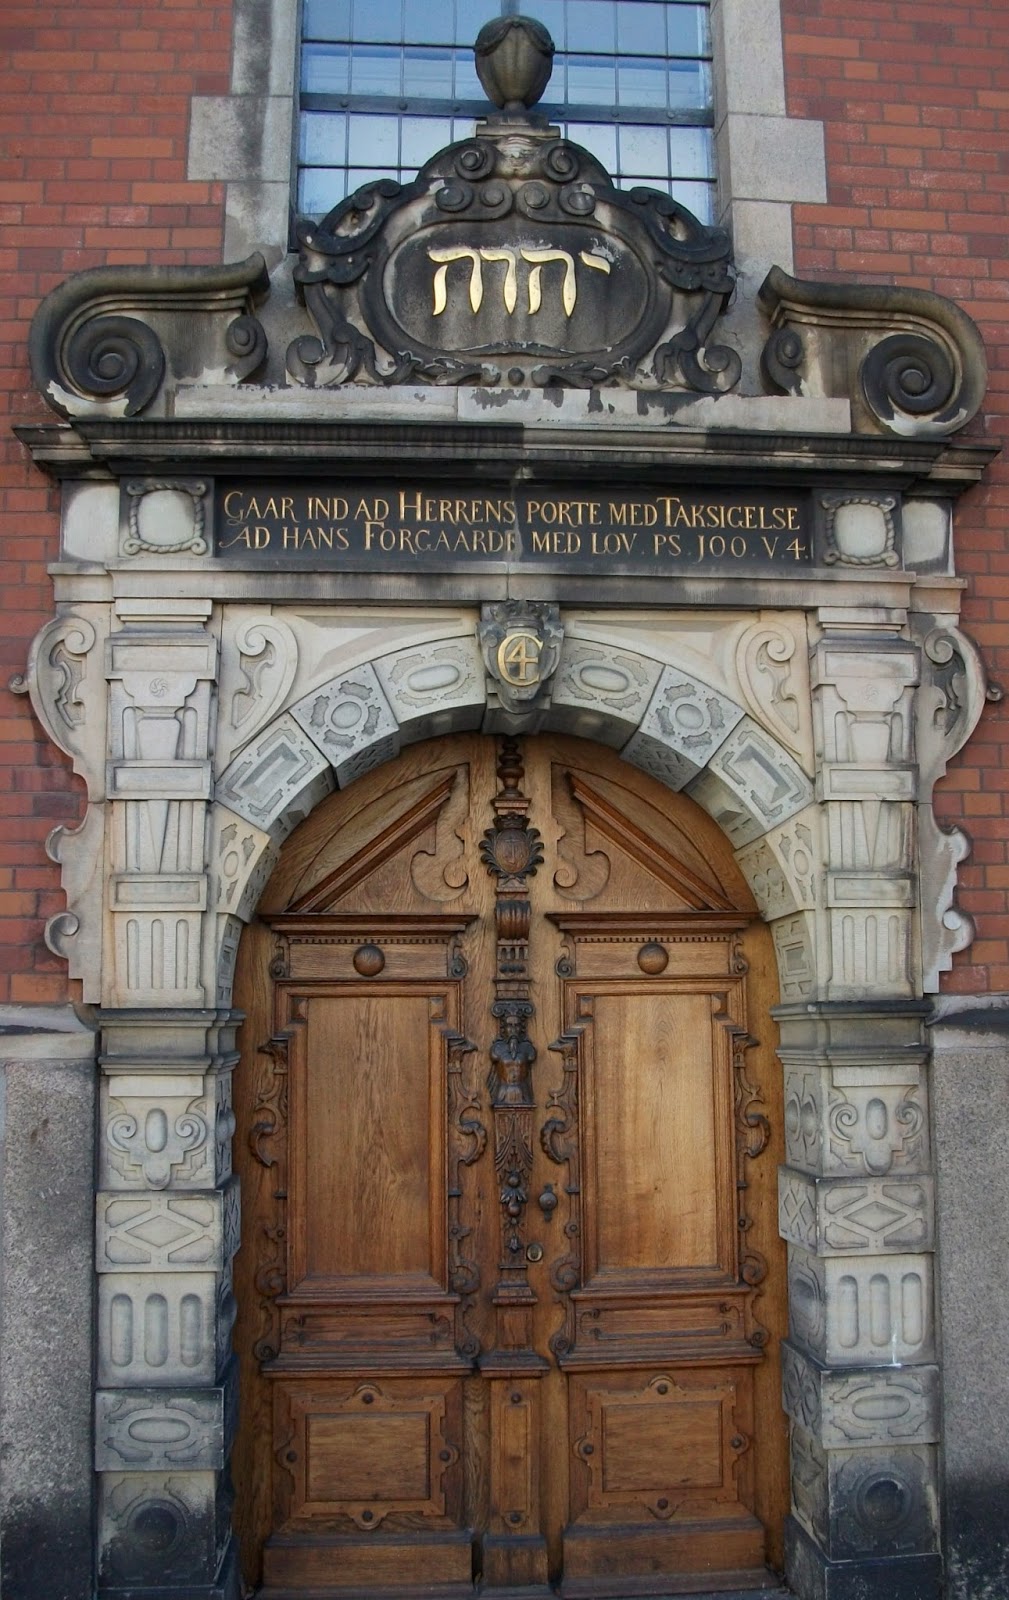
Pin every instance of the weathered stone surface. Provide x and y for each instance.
(162, 1529)
(970, 1099)
(865, 1502)
(47, 1101)
(813, 1576)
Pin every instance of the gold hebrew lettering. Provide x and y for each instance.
(592, 259)
(511, 283)
(441, 276)
(569, 291)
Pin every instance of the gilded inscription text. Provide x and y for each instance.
(370, 527)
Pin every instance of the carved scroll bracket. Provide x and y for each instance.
(104, 342)
(911, 362)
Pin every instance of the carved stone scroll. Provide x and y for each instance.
(910, 362)
(104, 341)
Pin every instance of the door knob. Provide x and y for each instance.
(548, 1202)
(534, 1252)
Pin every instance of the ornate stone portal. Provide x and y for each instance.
(509, 349)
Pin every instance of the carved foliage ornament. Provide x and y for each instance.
(512, 257)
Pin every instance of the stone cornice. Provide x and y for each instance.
(102, 446)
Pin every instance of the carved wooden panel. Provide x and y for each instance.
(664, 1474)
(368, 1451)
(367, 1081)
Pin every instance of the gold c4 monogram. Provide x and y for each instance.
(518, 659)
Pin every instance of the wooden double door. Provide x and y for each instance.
(509, 1284)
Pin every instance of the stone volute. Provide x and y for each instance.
(514, 60)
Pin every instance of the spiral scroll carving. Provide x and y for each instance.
(246, 341)
(781, 359)
(108, 358)
(909, 373)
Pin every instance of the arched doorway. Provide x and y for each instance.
(510, 1286)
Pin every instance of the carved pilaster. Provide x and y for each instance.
(515, 1551)
(168, 1225)
(864, 715)
(161, 667)
(859, 1375)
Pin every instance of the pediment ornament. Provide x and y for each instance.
(513, 259)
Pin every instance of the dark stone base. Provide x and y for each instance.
(46, 1551)
(226, 1586)
(812, 1576)
(977, 1540)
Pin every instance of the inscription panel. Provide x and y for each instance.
(367, 527)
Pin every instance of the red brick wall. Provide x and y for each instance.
(915, 98)
(94, 118)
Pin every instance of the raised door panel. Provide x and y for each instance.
(655, 1105)
(662, 1485)
(368, 1109)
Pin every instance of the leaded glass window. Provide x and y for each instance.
(386, 83)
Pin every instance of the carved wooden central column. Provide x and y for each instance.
(514, 1551)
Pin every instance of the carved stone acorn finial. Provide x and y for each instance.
(514, 59)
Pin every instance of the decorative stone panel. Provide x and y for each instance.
(855, 1311)
(435, 688)
(602, 693)
(847, 1120)
(751, 784)
(686, 721)
(156, 1328)
(161, 1430)
(351, 721)
(161, 1129)
(784, 866)
(168, 1232)
(277, 779)
(875, 1406)
(839, 1216)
